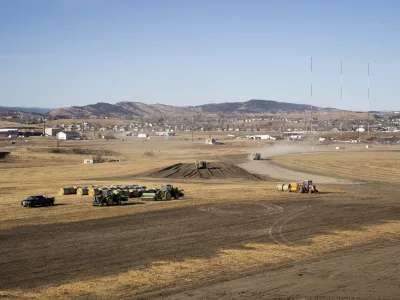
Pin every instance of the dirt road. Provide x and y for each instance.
(268, 168)
(171, 252)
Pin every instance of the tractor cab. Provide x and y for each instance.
(166, 187)
(308, 183)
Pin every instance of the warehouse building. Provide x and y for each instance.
(21, 131)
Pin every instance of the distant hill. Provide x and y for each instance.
(27, 109)
(138, 109)
(254, 106)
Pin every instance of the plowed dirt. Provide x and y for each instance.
(215, 170)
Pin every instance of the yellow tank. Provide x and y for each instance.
(293, 187)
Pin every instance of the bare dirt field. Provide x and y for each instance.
(226, 239)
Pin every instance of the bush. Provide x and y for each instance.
(109, 137)
(98, 159)
(148, 153)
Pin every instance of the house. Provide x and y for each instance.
(142, 135)
(68, 135)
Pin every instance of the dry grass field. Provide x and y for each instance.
(362, 165)
(226, 239)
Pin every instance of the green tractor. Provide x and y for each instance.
(108, 198)
(167, 192)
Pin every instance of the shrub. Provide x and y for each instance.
(148, 153)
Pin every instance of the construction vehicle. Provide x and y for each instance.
(167, 192)
(307, 187)
(107, 198)
(201, 164)
(256, 156)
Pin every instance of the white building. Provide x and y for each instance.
(165, 133)
(68, 135)
(142, 135)
(261, 137)
(52, 131)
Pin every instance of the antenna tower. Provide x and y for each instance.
(369, 102)
(311, 90)
(341, 99)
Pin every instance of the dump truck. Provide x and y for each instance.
(201, 164)
(107, 198)
(256, 156)
(38, 200)
(167, 192)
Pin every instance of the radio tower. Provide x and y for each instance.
(341, 99)
(369, 103)
(311, 101)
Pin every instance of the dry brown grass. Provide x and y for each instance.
(357, 165)
(8, 124)
(97, 122)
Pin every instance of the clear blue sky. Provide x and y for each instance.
(75, 52)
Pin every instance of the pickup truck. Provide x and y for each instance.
(35, 200)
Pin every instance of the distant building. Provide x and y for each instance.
(52, 131)
(165, 133)
(21, 131)
(142, 135)
(68, 135)
(88, 161)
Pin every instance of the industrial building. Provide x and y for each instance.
(21, 131)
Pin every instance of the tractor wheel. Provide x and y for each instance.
(300, 189)
(167, 195)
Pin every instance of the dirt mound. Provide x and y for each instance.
(215, 170)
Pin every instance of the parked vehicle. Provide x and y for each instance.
(38, 200)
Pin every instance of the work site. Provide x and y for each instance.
(199, 221)
(199, 150)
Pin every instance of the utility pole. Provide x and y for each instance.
(44, 128)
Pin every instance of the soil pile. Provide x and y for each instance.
(214, 170)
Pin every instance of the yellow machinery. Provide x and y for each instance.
(293, 187)
(256, 156)
(201, 164)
